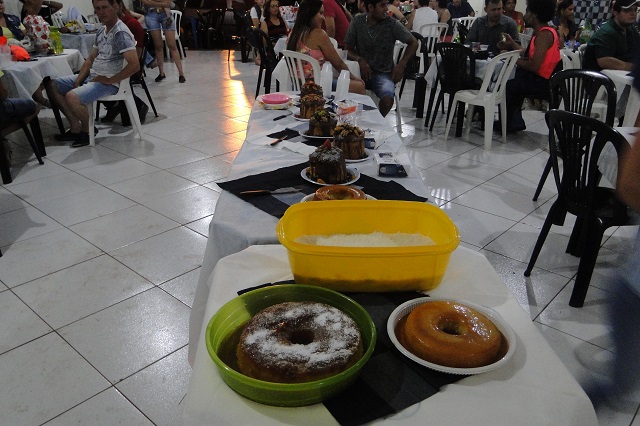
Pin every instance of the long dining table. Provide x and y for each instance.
(82, 42)
(624, 81)
(22, 79)
(242, 252)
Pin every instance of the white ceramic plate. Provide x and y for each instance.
(355, 175)
(406, 308)
(310, 198)
(296, 115)
(303, 133)
(274, 106)
(366, 157)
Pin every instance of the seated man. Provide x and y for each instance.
(370, 40)
(14, 108)
(100, 74)
(488, 29)
(614, 44)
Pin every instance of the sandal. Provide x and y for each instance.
(181, 79)
(160, 77)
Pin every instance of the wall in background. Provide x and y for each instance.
(85, 7)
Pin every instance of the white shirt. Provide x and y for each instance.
(424, 15)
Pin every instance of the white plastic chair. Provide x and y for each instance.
(466, 22)
(124, 94)
(525, 39)
(432, 34)
(176, 15)
(93, 19)
(489, 96)
(57, 19)
(295, 62)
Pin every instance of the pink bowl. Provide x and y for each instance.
(275, 99)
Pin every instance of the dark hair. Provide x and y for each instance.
(267, 9)
(370, 2)
(487, 2)
(306, 12)
(423, 3)
(544, 10)
(564, 4)
(442, 4)
(111, 2)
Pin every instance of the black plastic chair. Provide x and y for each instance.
(138, 78)
(456, 71)
(579, 140)
(258, 40)
(412, 72)
(35, 140)
(243, 23)
(578, 89)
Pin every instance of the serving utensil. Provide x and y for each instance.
(280, 139)
(270, 191)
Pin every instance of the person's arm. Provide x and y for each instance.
(511, 44)
(264, 28)
(543, 42)
(330, 53)
(365, 69)
(410, 19)
(445, 17)
(54, 6)
(611, 63)
(132, 67)
(330, 24)
(629, 175)
(160, 4)
(396, 12)
(409, 52)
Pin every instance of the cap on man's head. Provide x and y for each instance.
(625, 4)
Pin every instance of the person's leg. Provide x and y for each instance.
(153, 21)
(62, 86)
(170, 37)
(13, 108)
(78, 99)
(385, 89)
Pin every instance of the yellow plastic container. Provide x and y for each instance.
(374, 269)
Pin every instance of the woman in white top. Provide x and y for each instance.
(421, 16)
(257, 12)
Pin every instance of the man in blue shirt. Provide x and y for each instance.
(460, 9)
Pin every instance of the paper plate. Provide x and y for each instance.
(366, 157)
(406, 308)
(355, 175)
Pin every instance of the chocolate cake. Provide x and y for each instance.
(326, 165)
(310, 104)
(321, 124)
(310, 88)
(350, 140)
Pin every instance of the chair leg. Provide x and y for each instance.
(587, 263)
(146, 90)
(543, 179)
(503, 120)
(262, 68)
(5, 164)
(432, 95)
(439, 101)
(267, 80)
(449, 121)
(404, 80)
(37, 135)
(92, 123)
(398, 117)
(133, 114)
(467, 120)
(97, 111)
(543, 236)
(488, 128)
(32, 142)
(419, 96)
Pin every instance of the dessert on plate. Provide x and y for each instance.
(350, 139)
(310, 104)
(321, 124)
(327, 165)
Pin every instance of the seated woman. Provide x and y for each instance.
(565, 22)
(510, 11)
(272, 23)
(309, 38)
(534, 70)
(10, 25)
(257, 12)
(45, 8)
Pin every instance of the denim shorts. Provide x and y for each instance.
(12, 108)
(382, 85)
(155, 20)
(88, 92)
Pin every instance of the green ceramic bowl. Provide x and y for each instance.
(227, 324)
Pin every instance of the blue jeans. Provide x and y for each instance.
(88, 92)
(382, 85)
(155, 20)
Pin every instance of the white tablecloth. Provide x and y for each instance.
(237, 224)
(624, 81)
(534, 388)
(82, 42)
(22, 79)
(608, 160)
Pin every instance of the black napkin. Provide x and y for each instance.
(389, 382)
(290, 176)
(293, 134)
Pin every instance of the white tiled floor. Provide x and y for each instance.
(102, 248)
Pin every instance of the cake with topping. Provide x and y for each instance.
(310, 88)
(310, 104)
(321, 124)
(350, 139)
(297, 342)
(327, 165)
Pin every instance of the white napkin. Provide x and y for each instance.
(381, 136)
(298, 147)
(260, 138)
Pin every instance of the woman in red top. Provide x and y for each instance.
(534, 70)
(273, 24)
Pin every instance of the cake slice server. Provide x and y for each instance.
(288, 190)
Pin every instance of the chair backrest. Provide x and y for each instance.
(567, 63)
(296, 64)
(498, 72)
(259, 40)
(57, 19)
(578, 90)
(578, 140)
(176, 15)
(456, 66)
(432, 34)
(93, 19)
(466, 21)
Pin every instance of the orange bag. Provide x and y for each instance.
(19, 53)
